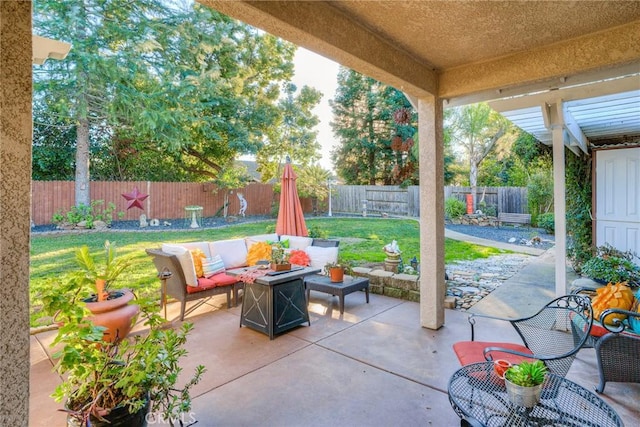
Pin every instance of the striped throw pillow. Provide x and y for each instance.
(212, 266)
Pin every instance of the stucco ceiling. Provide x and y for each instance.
(447, 34)
(466, 51)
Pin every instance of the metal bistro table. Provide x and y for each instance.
(480, 398)
(275, 302)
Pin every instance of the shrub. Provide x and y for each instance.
(611, 265)
(316, 232)
(547, 221)
(489, 210)
(454, 208)
(95, 212)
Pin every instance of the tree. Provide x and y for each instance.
(476, 128)
(363, 122)
(155, 89)
(292, 133)
(313, 182)
(80, 90)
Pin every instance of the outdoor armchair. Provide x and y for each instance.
(617, 350)
(554, 335)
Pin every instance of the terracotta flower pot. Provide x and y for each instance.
(336, 274)
(115, 314)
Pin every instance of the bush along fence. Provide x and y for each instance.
(168, 200)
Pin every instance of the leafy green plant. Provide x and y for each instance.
(91, 271)
(611, 265)
(89, 214)
(278, 255)
(317, 232)
(454, 208)
(346, 265)
(547, 221)
(579, 221)
(99, 376)
(489, 210)
(527, 374)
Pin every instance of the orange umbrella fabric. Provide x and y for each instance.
(290, 216)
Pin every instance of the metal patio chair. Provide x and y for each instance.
(554, 335)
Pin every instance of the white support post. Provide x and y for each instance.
(559, 196)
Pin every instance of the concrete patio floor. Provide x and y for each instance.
(372, 366)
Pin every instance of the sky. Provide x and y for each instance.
(320, 73)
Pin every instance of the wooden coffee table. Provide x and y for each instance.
(350, 284)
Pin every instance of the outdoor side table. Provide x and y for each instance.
(480, 398)
(273, 304)
(348, 285)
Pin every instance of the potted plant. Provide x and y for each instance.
(610, 265)
(524, 382)
(93, 283)
(279, 258)
(116, 383)
(337, 270)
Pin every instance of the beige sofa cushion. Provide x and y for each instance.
(321, 256)
(203, 246)
(297, 242)
(186, 262)
(233, 252)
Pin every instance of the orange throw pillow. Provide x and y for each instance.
(299, 257)
(257, 252)
(198, 256)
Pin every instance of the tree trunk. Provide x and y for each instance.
(83, 195)
(473, 182)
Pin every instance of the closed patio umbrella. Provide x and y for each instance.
(290, 216)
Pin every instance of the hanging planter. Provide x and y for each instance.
(407, 144)
(396, 143)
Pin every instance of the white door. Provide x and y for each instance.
(618, 199)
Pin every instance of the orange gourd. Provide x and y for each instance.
(614, 295)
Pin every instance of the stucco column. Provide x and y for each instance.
(15, 186)
(432, 286)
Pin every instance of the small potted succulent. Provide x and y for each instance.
(524, 382)
(279, 258)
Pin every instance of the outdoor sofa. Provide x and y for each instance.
(185, 281)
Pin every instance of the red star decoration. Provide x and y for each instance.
(135, 198)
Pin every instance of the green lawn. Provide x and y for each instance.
(362, 239)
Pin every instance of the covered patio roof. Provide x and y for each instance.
(568, 72)
(461, 51)
(466, 52)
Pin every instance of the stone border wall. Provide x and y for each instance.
(396, 285)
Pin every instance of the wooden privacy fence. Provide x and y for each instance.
(167, 200)
(504, 199)
(393, 200)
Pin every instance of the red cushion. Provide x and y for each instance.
(597, 330)
(473, 352)
(220, 279)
